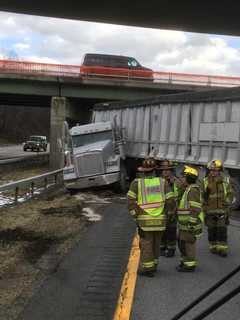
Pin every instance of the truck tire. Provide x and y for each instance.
(122, 185)
(236, 189)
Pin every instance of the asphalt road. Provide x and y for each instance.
(86, 284)
(160, 298)
(15, 151)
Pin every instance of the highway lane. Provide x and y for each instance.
(86, 284)
(160, 298)
(16, 151)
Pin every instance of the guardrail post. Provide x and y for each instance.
(32, 188)
(31, 183)
(16, 195)
(45, 183)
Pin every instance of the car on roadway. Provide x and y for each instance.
(35, 143)
(114, 66)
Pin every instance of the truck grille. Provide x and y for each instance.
(90, 164)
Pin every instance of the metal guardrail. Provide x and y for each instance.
(31, 183)
(77, 71)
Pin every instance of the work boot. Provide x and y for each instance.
(163, 252)
(213, 251)
(182, 268)
(222, 254)
(170, 253)
(149, 274)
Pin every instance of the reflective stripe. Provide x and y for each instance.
(183, 212)
(154, 228)
(131, 194)
(149, 264)
(190, 263)
(149, 221)
(222, 246)
(170, 195)
(193, 220)
(151, 205)
(195, 204)
(212, 246)
(216, 211)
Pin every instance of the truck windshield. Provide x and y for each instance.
(92, 137)
(37, 139)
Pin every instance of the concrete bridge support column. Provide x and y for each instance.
(57, 132)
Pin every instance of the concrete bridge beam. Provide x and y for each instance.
(57, 132)
(61, 109)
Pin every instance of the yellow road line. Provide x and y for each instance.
(125, 299)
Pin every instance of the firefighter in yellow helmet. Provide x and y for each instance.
(190, 221)
(218, 196)
(168, 243)
(146, 200)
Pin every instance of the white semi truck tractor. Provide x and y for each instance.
(94, 156)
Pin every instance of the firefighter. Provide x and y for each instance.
(190, 221)
(218, 196)
(168, 243)
(146, 200)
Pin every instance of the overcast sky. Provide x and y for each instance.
(66, 41)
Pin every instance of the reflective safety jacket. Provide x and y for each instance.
(190, 214)
(217, 194)
(146, 203)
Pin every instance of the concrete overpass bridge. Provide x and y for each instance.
(31, 83)
(47, 80)
(71, 93)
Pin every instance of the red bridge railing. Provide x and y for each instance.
(74, 71)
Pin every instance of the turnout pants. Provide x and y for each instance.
(187, 248)
(169, 237)
(149, 249)
(217, 232)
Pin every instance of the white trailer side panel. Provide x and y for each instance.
(193, 132)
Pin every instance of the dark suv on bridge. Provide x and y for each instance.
(114, 66)
(35, 143)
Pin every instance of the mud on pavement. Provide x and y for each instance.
(35, 236)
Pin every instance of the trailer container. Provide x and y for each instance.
(189, 128)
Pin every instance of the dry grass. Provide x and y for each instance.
(26, 235)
